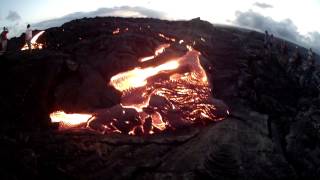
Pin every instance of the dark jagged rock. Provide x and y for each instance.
(272, 131)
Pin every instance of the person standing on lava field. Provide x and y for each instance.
(268, 43)
(29, 36)
(311, 57)
(4, 39)
(266, 39)
(284, 53)
(295, 63)
(271, 42)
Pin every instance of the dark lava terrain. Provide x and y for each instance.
(272, 132)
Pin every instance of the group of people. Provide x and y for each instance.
(268, 40)
(296, 58)
(301, 68)
(4, 38)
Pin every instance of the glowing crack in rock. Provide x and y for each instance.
(34, 44)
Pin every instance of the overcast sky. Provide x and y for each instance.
(296, 20)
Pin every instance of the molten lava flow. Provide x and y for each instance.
(138, 77)
(69, 120)
(34, 44)
(158, 51)
(167, 95)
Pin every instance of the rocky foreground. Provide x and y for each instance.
(273, 131)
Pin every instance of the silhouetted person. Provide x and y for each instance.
(284, 48)
(308, 69)
(311, 59)
(271, 40)
(266, 39)
(295, 63)
(28, 36)
(4, 39)
(297, 58)
(284, 53)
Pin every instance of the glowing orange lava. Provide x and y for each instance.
(182, 93)
(167, 38)
(34, 44)
(117, 31)
(69, 120)
(166, 95)
(138, 77)
(157, 52)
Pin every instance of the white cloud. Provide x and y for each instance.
(262, 5)
(285, 29)
(123, 11)
(13, 16)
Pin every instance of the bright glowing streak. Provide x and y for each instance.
(166, 38)
(158, 122)
(69, 119)
(148, 58)
(138, 77)
(161, 49)
(189, 47)
(34, 43)
(117, 31)
(158, 51)
(35, 38)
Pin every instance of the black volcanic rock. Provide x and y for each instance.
(272, 132)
